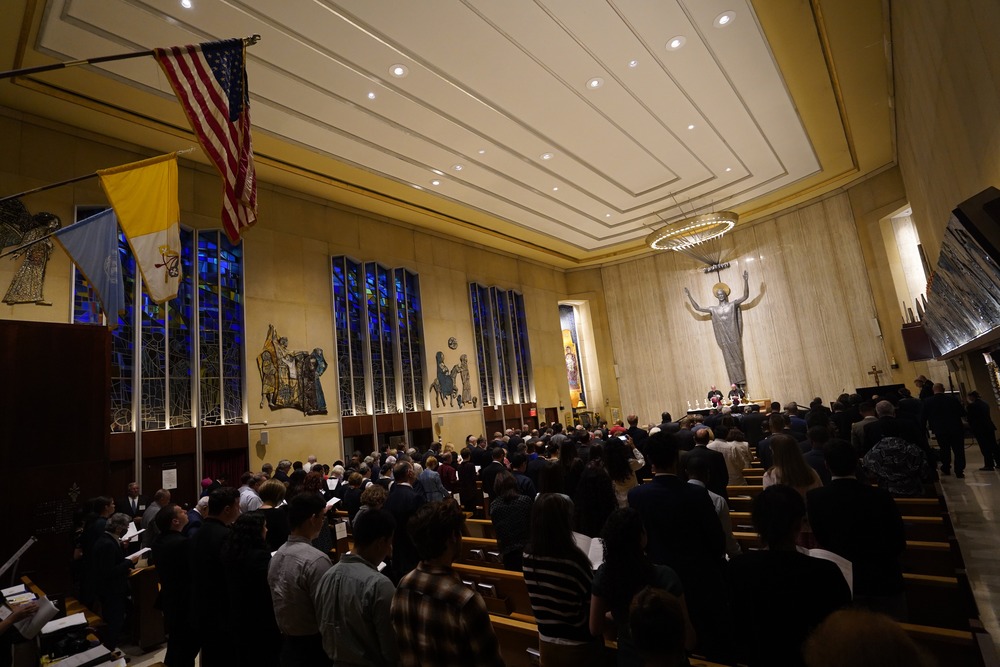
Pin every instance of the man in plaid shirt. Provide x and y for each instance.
(438, 620)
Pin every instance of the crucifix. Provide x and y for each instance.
(874, 372)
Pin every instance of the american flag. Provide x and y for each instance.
(210, 81)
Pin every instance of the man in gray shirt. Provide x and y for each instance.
(353, 598)
(294, 575)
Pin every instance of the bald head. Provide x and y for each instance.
(938, 388)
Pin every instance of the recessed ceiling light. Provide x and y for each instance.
(595, 83)
(398, 71)
(482, 151)
(547, 156)
(438, 172)
(729, 168)
(555, 189)
(690, 127)
(416, 186)
(435, 182)
(457, 167)
(675, 43)
(607, 215)
(633, 63)
(724, 19)
(371, 96)
(186, 4)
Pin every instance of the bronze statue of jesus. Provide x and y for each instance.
(727, 322)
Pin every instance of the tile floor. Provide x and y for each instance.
(974, 505)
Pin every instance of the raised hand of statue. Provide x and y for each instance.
(687, 291)
(746, 275)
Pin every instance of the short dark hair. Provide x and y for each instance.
(841, 458)
(497, 453)
(656, 620)
(165, 517)
(432, 525)
(221, 498)
(776, 513)
(517, 460)
(302, 507)
(665, 416)
(819, 434)
(661, 450)
(373, 525)
(246, 478)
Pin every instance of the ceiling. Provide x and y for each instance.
(498, 133)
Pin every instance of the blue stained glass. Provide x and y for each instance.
(387, 335)
(484, 358)
(416, 346)
(524, 363)
(179, 348)
(403, 340)
(231, 324)
(122, 347)
(498, 302)
(210, 356)
(357, 335)
(340, 319)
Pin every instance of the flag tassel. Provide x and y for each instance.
(24, 71)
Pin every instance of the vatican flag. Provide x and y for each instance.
(144, 196)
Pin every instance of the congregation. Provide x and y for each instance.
(246, 575)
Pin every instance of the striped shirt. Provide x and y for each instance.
(559, 589)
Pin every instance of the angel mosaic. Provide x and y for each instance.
(291, 379)
(29, 234)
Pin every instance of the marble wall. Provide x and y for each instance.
(946, 61)
(810, 326)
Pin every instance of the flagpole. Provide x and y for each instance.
(51, 186)
(24, 71)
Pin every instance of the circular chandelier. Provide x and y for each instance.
(689, 232)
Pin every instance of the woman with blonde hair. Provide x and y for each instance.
(790, 467)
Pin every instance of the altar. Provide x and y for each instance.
(764, 404)
(889, 392)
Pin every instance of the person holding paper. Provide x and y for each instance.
(18, 612)
(109, 570)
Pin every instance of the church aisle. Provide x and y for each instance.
(974, 506)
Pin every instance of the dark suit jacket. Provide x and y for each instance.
(638, 435)
(109, 568)
(764, 447)
(979, 418)
(403, 502)
(682, 527)
(208, 576)
(944, 415)
(894, 427)
(481, 457)
(862, 524)
(685, 439)
(718, 479)
(488, 475)
(817, 461)
(172, 557)
(124, 505)
(753, 426)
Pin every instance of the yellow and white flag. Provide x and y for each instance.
(144, 196)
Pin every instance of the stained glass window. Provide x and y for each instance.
(379, 341)
(164, 368)
(501, 334)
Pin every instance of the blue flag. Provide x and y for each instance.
(92, 244)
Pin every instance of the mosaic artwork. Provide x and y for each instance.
(291, 379)
(28, 233)
(445, 385)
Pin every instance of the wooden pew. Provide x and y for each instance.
(943, 602)
(472, 547)
(948, 647)
(511, 593)
(479, 528)
(921, 528)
